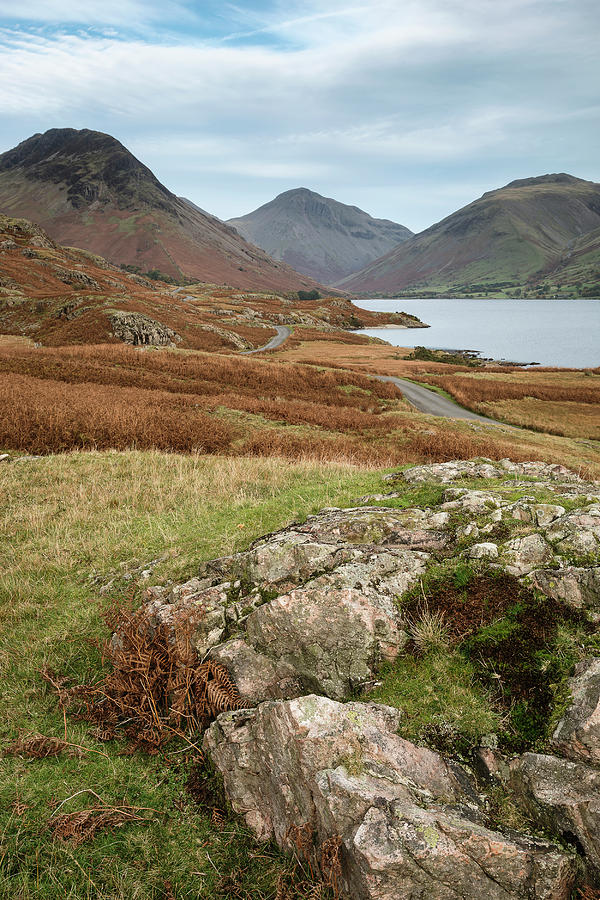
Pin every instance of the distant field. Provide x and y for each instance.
(562, 402)
(100, 397)
(558, 401)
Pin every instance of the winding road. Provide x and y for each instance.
(283, 333)
(433, 404)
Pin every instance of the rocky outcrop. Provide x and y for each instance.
(563, 797)
(578, 733)
(307, 616)
(140, 330)
(406, 822)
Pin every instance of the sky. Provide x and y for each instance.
(408, 109)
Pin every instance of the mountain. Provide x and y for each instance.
(86, 189)
(516, 236)
(319, 236)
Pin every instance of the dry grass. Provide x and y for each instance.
(552, 401)
(98, 397)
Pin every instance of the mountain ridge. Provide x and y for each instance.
(86, 189)
(513, 237)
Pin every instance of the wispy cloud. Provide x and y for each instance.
(363, 100)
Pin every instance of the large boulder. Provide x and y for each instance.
(334, 640)
(576, 586)
(563, 796)
(577, 533)
(524, 554)
(407, 821)
(577, 735)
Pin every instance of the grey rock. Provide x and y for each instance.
(334, 640)
(563, 796)
(139, 330)
(483, 551)
(407, 827)
(577, 735)
(578, 587)
(526, 553)
(576, 533)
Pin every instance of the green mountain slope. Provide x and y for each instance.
(511, 238)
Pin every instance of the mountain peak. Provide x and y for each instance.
(556, 178)
(317, 235)
(86, 189)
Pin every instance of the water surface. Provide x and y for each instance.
(549, 332)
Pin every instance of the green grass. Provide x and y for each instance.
(440, 696)
(67, 518)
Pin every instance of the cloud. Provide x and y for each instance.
(349, 96)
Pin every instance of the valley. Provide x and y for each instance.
(281, 620)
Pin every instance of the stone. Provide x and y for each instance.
(483, 551)
(378, 573)
(575, 586)
(470, 530)
(577, 533)
(140, 330)
(334, 640)
(526, 553)
(470, 501)
(563, 796)
(577, 735)
(545, 513)
(256, 676)
(408, 821)
(201, 611)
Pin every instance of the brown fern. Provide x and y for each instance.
(156, 689)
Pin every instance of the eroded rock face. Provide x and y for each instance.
(139, 330)
(563, 796)
(409, 827)
(577, 735)
(334, 639)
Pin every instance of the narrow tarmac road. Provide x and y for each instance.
(283, 333)
(434, 404)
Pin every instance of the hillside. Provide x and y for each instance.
(87, 190)
(513, 237)
(56, 295)
(319, 236)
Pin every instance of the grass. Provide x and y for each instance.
(441, 699)
(70, 519)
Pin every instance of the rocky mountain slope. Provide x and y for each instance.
(319, 236)
(87, 190)
(524, 234)
(56, 295)
(413, 690)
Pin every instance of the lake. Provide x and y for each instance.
(549, 332)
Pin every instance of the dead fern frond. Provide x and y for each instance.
(157, 687)
(38, 746)
(331, 866)
(77, 827)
